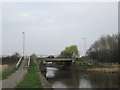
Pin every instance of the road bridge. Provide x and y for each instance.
(56, 59)
(65, 62)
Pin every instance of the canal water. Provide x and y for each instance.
(64, 78)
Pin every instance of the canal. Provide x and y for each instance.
(64, 78)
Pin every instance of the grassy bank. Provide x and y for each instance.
(8, 66)
(32, 78)
(8, 73)
(101, 67)
(104, 69)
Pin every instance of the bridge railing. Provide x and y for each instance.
(45, 56)
(18, 63)
(27, 63)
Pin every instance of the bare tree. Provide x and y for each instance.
(105, 49)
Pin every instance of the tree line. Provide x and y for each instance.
(105, 49)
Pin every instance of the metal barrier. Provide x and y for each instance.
(29, 62)
(18, 63)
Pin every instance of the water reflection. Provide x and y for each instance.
(50, 72)
(85, 83)
(77, 79)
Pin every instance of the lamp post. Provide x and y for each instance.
(23, 45)
(84, 43)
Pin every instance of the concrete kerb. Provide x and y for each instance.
(44, 81)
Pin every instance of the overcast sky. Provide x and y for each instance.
(49, 27)
(0, 29)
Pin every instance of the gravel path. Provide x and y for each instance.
(16, 77)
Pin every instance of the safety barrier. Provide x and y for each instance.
(27, 63)
(18, 63)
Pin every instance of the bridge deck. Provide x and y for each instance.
(56, 59)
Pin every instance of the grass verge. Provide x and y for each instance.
(7, 74)
(32, 78)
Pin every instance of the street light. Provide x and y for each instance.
(84, 43)
(23, 45)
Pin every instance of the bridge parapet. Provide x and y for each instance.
(56, 59)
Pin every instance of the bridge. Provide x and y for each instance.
(65, 62)
(56, 59)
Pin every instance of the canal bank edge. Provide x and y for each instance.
(44, 81)
(76, 66)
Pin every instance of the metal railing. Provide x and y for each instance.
(27, 63)
(18, 63)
